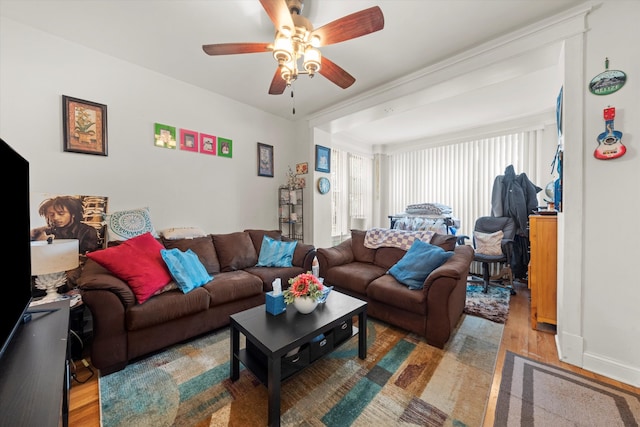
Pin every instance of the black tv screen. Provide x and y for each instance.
(16, 287)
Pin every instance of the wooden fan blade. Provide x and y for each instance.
(234, 48)
(278, 84)
(336, 74)
(278, 13)
(351, 26)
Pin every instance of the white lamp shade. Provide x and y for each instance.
(59, 255)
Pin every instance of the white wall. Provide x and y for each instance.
(181, 188)
(599, 327)
(601, 307)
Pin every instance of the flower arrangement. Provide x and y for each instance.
(294, 181)
(303, 285)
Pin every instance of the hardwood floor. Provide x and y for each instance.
(518, 337)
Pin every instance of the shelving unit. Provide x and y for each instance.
(290, 210)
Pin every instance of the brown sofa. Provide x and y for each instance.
(124, 330)
(432, 312)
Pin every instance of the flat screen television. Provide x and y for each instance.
(16, 274)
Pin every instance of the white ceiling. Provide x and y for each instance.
(167, 37)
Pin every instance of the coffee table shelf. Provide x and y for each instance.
(259, 367)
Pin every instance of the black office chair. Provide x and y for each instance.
(500, 253)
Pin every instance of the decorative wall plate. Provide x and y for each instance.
(324, 185)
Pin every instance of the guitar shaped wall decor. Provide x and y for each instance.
(609, 142)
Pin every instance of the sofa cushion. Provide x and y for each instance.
(185, 268)
(393, 293)
(445, 241)
(235, 251)
(489, 243)
(360, 252)
(233, 286)
(202, 246)
(175, 233)
(269, 274)
(125, 224)
(388, 257)
(166, 307)
(353, 277)
(257, 235)
(276, 253)
(419, 261)
(138, 262)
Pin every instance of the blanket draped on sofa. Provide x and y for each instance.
(393, 238)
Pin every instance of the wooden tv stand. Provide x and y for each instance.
(34, 375)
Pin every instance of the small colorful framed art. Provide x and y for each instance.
(302, 168)
(225, 147)
(188, 140)
(323, 159)
(165, 136)
(207, 144)
(265, 160)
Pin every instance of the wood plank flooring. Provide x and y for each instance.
(518, 337)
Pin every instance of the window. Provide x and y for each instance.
(460, 175)
(351, 193)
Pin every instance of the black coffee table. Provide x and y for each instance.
(275, 336)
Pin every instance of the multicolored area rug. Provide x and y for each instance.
(494, 305)
(537, 394)
(402, 382)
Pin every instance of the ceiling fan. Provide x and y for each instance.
(296, 39)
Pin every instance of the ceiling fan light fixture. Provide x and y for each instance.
(312, 60)
(314, 41)
(282, 49)
(288, 72)
(296, 40)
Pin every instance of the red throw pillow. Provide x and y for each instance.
(138, 262)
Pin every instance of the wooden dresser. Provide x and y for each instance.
(543, 268)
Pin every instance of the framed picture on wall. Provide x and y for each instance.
(265, 160)
(165, 136)
(302, 168)
(188, 140)
(84, 125)
(225, 147)
(323, 159)
(207, 144)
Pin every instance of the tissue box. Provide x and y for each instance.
(275, 303)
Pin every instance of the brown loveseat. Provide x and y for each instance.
(432, 312)
(124, 330)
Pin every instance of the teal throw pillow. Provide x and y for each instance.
(185, 268)
(276, 253)
(419, 261)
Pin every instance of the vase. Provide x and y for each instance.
(305, 305)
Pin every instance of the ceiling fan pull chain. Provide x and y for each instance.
(293, 101)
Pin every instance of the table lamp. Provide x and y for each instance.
(50, 261)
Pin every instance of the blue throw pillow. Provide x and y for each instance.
(185, 268)
(419, 261)
(276, 253)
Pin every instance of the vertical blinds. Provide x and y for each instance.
(460, 175)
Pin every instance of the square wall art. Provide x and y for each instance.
(225, 147)
(165, 136)
(188, 140)
(207, 144)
